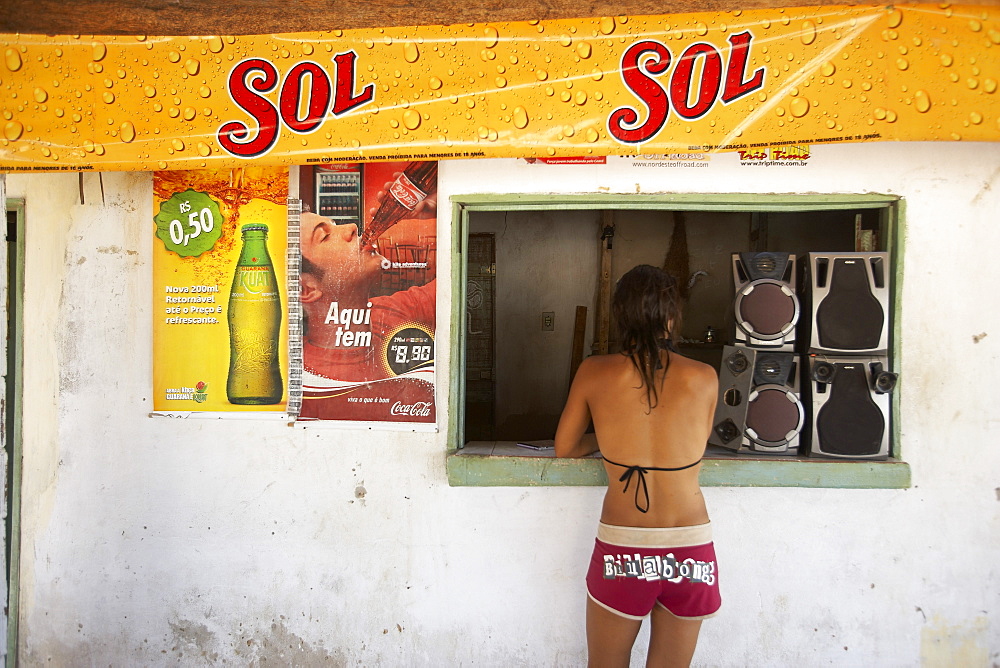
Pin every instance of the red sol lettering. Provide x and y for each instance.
(691, 99)
(307, 95)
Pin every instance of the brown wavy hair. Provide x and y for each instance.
(647, 308)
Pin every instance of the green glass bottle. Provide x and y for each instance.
(254, 324)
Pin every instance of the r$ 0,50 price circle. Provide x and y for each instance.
(189, 223)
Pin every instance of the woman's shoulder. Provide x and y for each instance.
(601, 364)
(694, 371)
(599, 368)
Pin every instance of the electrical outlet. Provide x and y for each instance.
(548, 321)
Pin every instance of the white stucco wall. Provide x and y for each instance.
(163, 542)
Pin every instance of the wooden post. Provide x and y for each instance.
(579, 333)
(602, 316)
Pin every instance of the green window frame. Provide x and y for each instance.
(506, 465)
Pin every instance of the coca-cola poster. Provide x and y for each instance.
(368, 247)
(220, 321)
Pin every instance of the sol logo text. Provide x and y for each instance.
(307, 95)
(691, 99)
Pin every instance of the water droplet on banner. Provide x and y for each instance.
(520, 118)
(492, 36)
(798, 107)
(12, 130)
(411, 119)
(12, 59)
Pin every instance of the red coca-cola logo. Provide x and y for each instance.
(418, 409)
(407, 194)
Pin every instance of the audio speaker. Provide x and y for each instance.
(849, 303)
(766, 306)
(849, 406)
(758, 409)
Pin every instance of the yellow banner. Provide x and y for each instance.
(584, 87)
(220, 329)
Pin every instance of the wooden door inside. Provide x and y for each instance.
(480, 351)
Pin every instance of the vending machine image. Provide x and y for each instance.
(338, 194)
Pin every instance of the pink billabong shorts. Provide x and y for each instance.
(634, 568)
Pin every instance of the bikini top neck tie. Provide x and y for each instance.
(641, 484)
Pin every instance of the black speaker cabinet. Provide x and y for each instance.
(849, 406)
(766, 307)
(849, 303)
(759, 409)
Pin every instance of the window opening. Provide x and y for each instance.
(552, 266)
(12, 417)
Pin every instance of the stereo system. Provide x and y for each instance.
(849, 407)
(817, 387)
(766, 306)
(759, 409)
(849, 303)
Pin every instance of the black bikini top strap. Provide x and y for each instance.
(654, 468)
(626, 477)
(678, 468)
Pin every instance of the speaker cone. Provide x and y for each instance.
(767, 310)
(823, 372)
(727, 431)
(737, 363)
(774, 416)
(883, 381)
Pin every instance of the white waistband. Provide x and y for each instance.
(654, 536)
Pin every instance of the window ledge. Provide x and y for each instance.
(505, 464)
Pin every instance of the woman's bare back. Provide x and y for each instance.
(673, 434)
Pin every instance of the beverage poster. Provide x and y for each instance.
(368, 248)
(220, 342)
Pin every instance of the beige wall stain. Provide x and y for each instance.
(943, 644)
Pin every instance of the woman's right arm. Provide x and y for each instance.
(571, 437)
